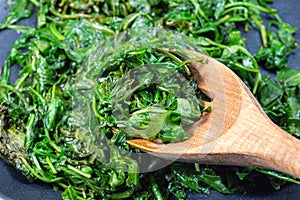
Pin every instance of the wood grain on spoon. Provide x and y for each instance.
(236, 132)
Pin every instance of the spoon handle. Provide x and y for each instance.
(260, 142)
(277, 149)
(258, 139)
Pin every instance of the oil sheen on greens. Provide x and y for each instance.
(60, 97)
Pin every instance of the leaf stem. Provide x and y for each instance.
(78, 171)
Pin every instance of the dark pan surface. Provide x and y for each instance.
(14, 186)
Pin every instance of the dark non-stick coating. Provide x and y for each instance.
(14, 186)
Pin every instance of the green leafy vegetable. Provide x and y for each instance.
(281, 43)
(85, 87)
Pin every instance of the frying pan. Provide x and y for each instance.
(13, 186)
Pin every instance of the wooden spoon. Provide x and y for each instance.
(236, 132)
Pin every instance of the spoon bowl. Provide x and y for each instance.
(236, 131)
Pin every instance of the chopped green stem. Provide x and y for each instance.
(222, 20)
(9, 87)
(38, 176)
(21, 81)
(170, 55)
(256, 84)
(235, 8)
(248, 69)
(155, 189)
(36, 163)
(78, 171)
(263, 31)
(176, 59)
(197, 167)
(14, 91)
(201, 59)
(53, 92)
(264, 35)
(57, 148)
(71, 16)
(36, 3)
(38, 95)
(30, 123)
(200, 11)
(51, 165)
(100, 27)
(21, 29)
(95, 109)
(278, 175)
(55, 32)
(250, 5)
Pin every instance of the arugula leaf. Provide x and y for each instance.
(281, 43)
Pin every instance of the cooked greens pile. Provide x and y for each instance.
(144, 92)
(78, 99)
